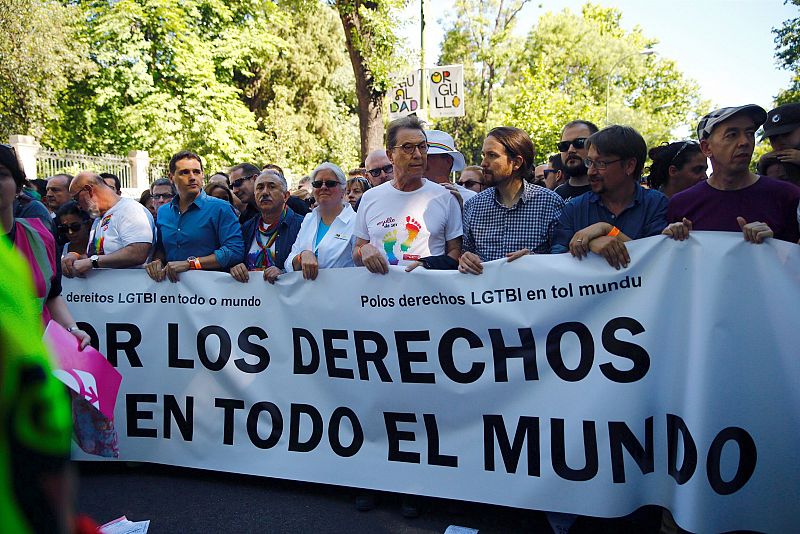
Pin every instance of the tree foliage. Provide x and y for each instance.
(233, 80)
(787, 52)
(375, 54)
(563, 71)
(481, 38)
(39, 53)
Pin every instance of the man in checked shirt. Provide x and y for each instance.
(511, 217)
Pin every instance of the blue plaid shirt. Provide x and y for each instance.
(492, 230)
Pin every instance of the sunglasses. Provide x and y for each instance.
(72, 227)
(330, 184)
(578, 142)
(469, 183)
(239, 181)
(386, 169)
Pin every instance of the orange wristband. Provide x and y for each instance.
(614, 232)
(358, 249)
(194, 264)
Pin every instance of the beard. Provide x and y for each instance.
(575, 169)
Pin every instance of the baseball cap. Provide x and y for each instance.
(710, 121)
(440, 142)
(782, 119)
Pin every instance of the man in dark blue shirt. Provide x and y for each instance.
(195, 231)
(617, 209)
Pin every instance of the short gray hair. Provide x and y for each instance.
(276, 174)
(164, 181)
(335, 169)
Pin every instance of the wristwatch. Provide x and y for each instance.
(95, 262)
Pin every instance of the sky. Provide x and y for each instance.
(727, 46)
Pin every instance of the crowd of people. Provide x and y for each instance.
(403, 207)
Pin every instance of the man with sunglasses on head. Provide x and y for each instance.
(617, 209)
(122, 233)
(242, 177)
(573, 151)
(379, 168)
(410, 220)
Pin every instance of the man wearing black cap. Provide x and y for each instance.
(734, 199)
(782, 128)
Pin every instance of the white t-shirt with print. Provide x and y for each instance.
(127, 222)
(407, 226)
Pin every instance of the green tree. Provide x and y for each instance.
(304, 97)
(787, 52)
(39, 53)
(568, 65)
(164, 78)
(481, 38)
(374, 54)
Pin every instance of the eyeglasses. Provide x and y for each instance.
(409, 148)
(386, 169)
(470, 183)
(599, 165)
(548, 172)
(163, 196)
(239, 181)
(77, 196)
(578, 142)
(330, 184)
(72, 227)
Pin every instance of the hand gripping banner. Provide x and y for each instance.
(547, 383)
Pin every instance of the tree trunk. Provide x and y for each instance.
(370, 100)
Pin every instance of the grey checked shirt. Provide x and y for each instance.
(492, 230)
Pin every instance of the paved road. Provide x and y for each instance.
(182, 500)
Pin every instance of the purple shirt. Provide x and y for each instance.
(770, 201)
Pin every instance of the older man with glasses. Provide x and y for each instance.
(617, 209)
(122, 233)
(410, 220)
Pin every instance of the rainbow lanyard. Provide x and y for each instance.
(266, 258)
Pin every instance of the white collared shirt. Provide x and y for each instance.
(336, 247)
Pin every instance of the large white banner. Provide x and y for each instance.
(548, 383)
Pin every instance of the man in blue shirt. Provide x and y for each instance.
(617, 209)
(195, 231)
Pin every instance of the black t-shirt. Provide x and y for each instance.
(568, 191)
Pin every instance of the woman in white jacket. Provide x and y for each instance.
(326, 236)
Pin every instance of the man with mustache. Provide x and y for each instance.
(195, 231)
(617, 209)
(512, 217)
(734, 199)
(573, 151)
(122, 233)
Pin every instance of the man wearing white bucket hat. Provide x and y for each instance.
(443, 158)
